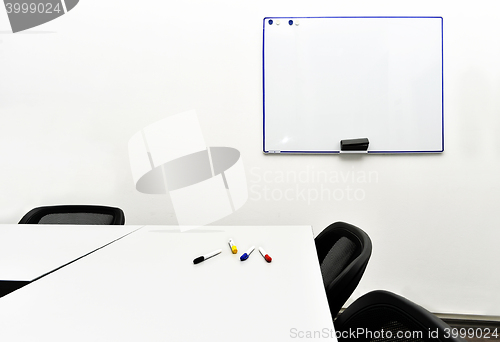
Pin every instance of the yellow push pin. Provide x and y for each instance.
(232, 246)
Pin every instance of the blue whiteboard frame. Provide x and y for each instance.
(267, 149)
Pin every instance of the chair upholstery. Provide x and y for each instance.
(343, 253)
(75, 214)
(381, 315)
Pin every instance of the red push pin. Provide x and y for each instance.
(265, 255)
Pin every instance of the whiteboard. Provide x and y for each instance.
(334, 78)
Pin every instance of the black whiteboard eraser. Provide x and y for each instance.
(360, 144)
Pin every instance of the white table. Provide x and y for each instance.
(29, 251)
(145, 287)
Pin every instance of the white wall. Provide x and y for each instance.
(73, 91)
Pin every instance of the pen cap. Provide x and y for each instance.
(265, 255)
(234, 250)
(198, 260)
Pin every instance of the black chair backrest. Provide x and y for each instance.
(384, 316)
(75, 214)
(343, 253)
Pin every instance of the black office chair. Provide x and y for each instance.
(343, 253)
(75, 214)
(384, 316)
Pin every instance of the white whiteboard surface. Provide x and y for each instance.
(335, 78)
